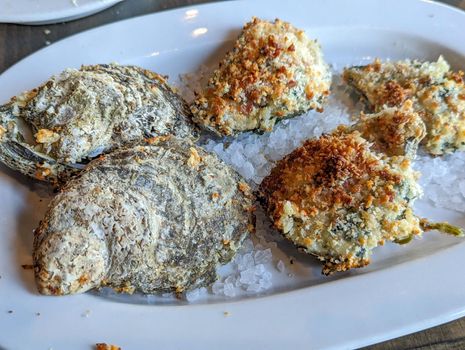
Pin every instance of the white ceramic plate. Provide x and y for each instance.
(49, 11)
(404, 290)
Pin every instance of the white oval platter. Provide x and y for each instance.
(404, 290)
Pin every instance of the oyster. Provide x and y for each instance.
(338, 199)
(437, 93)
(274, 72)
(153, 218)
(47, 132)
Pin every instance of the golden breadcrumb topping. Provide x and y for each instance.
(437, 94)
(338, 200)
(273, 72)
(393, 131)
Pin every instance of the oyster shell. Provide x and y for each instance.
(47, 132)
(155, 218)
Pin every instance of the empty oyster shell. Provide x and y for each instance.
(155, 218)
(50, 132)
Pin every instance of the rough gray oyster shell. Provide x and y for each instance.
(74, 116)
(154, 218)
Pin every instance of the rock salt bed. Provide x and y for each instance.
(260, 261)
(443, 180)
(250, 272)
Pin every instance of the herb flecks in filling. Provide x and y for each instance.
(437, 93)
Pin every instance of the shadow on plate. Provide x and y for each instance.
(27, 200)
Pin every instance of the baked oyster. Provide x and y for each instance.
(437, 93)
(394, 131)
(337, 199)
(273, 72)
(153, 218)
(48, 133)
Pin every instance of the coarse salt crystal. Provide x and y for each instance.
(263, 256)
(280, 266)
(218, 288)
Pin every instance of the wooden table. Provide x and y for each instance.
(18, 41)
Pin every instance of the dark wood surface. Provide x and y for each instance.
(18, 41)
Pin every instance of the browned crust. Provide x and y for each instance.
(249, 78)
(104, 346)
(324, 176)
(437, 94)
(331, 267)
(327, 174)
(391, 130)
(393, 94)
(249, 66)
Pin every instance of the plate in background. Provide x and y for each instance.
(38, 12)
